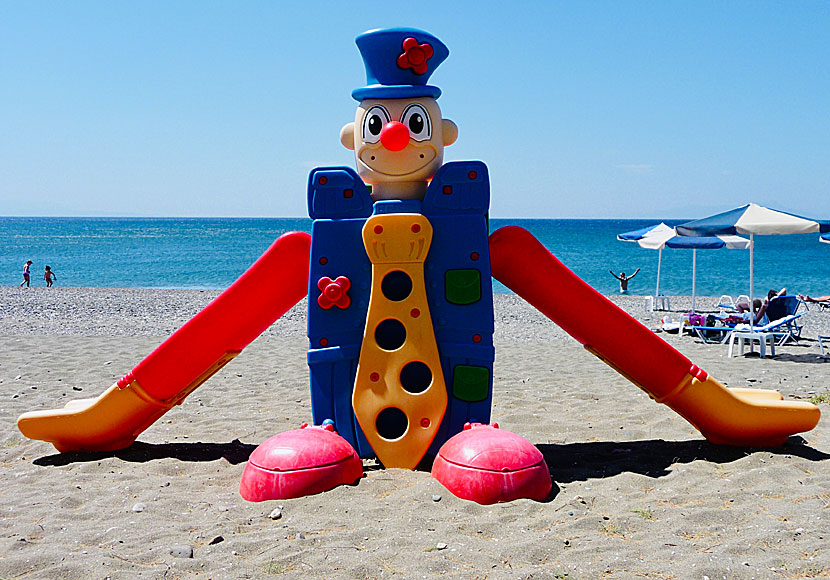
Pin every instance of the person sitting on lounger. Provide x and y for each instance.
(761, 317)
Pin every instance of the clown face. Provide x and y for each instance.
(398, 144)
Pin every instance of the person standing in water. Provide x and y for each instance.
(624, 280)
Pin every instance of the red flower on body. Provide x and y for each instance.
(415, 56)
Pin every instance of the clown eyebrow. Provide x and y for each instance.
(381, 107)
(422, 108)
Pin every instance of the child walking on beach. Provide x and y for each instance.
(26, 274)
(49, 276)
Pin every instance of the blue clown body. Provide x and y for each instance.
(457, 278)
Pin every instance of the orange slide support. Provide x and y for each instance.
(269, 288)
(752, 417)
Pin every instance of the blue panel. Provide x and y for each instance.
(335, 333)
(397, 206)
(337, 250)
(337, 192)
(322, 384)
(332, 373)
(460, 412)
(464, 332)
(459, 187)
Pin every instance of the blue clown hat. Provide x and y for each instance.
(399, 62)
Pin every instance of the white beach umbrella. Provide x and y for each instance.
(662, 236)
(752, 219)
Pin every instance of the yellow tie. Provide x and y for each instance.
(400, 396)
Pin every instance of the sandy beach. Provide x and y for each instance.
(638, 492)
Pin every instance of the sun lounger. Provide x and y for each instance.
(786, 308)
(712, 334)
(778, 331)
(822, 304)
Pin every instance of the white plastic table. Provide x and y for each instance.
(750, 336)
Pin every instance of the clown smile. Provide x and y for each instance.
(397, 163)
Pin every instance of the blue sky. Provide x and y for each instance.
(579, 109)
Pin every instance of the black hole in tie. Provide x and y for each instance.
(391, 423)
(396, 285)
(416, 377)
(390, 334)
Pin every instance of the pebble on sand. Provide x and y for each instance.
(181, 551)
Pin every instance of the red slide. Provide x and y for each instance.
(729, 416)
(192, 354)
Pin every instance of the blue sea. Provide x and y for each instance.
(210, 253)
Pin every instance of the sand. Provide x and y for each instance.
(638, 493)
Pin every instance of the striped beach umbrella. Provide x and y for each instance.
(752, 219)
(662, 236)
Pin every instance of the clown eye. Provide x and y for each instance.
(416, 119)
(376, 117)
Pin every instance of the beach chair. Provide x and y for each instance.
(711, 332)
(726, 303)
(822, 305)
(821, 340)
(782, 307)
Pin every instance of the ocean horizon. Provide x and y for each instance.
(210, 253)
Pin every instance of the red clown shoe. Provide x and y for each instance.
(297, 463)
(487, 465)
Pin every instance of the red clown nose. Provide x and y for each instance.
(394, 136)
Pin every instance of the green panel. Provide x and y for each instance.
(463, 286)
(471, 384)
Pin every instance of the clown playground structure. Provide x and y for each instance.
(400, 320)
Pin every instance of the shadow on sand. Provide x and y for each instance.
(653, 458)
(234, 453)
(568, 463)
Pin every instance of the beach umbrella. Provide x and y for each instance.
(752, 219)
(661, 236)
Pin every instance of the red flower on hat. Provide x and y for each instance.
(415, 56)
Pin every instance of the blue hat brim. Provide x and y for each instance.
(395, 92)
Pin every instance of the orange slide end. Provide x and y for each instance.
(749, 417)
(192, 354)
(726, 416)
